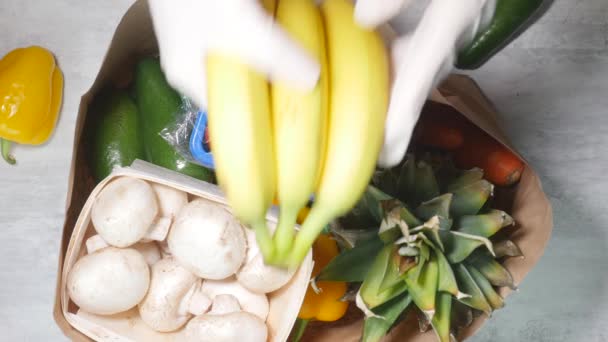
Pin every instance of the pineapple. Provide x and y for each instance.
(432, 250)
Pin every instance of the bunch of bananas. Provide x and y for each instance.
(275, 140)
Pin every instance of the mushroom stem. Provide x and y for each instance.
(95, 243)
(255, 303)
(158, 231)
(194, 302)
(224, 304)
(149, 250)
(170, 200)
(164, 249)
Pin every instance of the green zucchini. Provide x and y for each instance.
(115, 136)
(159, 106)
(511, 18)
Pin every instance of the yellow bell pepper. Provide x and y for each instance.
(31, 91)
(325, 305)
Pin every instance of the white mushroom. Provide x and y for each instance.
(173, 297)
(206, 239)
(258, 277)
(170, 200)
(238, 326)
(254, 303)
(124, 211)
(226, 322)
(109, 281)
(149, 250)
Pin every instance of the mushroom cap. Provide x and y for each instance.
(170, 200)
(254, 303)
(258, 277)
(109, 281)
(207, 240)
(169, 285)
(124, 211)
(238, 326)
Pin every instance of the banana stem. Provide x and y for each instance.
(312, 227)
(5, 146)
(262, 236)
(283, 236)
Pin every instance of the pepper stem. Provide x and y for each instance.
(299, 329)
(5, 145)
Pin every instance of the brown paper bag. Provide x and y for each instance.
(530, 208)
(134, 37)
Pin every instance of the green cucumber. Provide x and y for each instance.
(159, 105)
(116, 139)
(511, 18)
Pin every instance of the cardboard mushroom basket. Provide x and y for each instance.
(139, 318)
(133, 39)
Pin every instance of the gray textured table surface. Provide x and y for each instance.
(551, 87)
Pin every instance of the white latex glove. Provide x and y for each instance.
(187, 30)
(421, 59)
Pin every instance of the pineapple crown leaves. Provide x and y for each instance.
(432, 250)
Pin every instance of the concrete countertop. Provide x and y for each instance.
(550, 86)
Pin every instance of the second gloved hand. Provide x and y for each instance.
(422, 58)
(187, 30)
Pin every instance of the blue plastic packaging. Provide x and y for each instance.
(197, 142)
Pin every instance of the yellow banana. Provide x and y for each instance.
(359, 88)
(299, 121)
(242, 142)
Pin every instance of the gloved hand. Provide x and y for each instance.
(462, 32)
(421, 59)
(187, 29)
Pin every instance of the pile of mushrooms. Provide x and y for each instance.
(185, 264)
